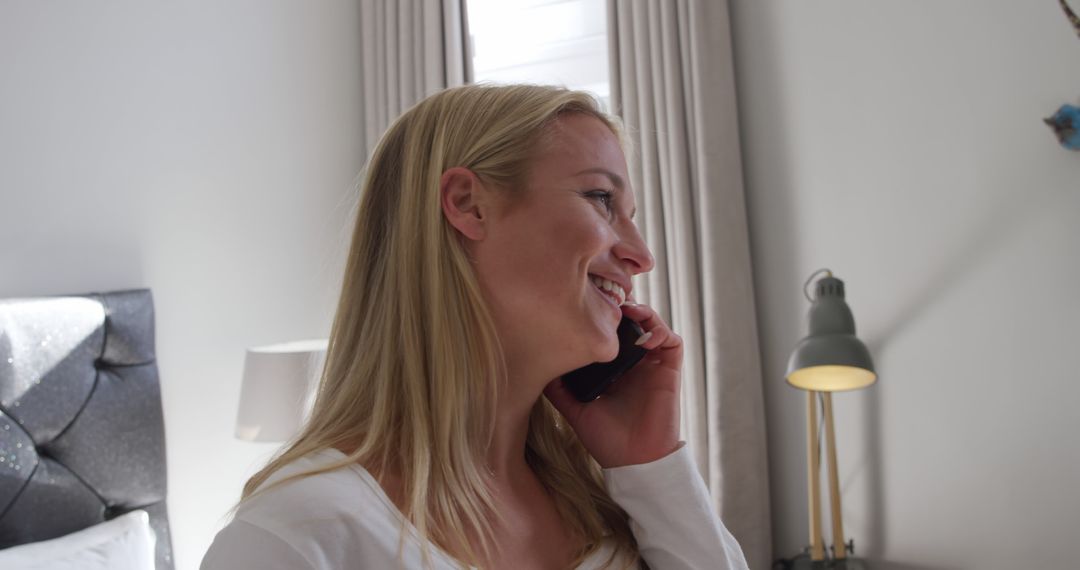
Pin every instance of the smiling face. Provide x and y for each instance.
(559, 254)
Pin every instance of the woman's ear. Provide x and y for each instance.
(464, 202)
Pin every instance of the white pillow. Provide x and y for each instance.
(123, 543)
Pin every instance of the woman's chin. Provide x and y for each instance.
(608, 351)
(603, 344)
(604, 356)
(605, 351)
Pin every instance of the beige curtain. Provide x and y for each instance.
(411, 49)
(673, 83)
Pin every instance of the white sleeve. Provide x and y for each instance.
(671, 515)
(244, 546)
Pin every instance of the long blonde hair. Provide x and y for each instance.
(414, 362)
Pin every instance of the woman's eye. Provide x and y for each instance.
(604, 196)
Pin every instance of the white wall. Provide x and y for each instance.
(206, 150)
(901, 144)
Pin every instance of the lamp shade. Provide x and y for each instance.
(277, 383)
(831, 358)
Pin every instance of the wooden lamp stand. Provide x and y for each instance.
(817, 546)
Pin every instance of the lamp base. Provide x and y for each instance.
(804, 563)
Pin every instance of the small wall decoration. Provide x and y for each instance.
(1066, 125)
(1066, 121)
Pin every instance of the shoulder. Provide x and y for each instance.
(301, 491)
(333, 519)
(243, 546)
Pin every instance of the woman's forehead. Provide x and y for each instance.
(577, 143)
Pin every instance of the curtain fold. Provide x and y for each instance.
(673, 83)
(410, 49)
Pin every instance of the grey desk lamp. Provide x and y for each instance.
(829, 359)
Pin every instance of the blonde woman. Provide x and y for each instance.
(493, 253)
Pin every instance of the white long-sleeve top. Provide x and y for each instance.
(342, 519)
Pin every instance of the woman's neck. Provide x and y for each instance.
(518, 395)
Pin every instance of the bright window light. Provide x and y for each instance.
(554, 42)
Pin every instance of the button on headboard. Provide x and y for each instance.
(82, 438)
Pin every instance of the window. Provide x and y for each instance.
(560, 42)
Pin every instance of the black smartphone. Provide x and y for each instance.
(588, 382)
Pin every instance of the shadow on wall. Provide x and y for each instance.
(995, 231)
(1007, 221)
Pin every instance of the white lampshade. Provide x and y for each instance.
(278, 382)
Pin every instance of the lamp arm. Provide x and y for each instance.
(817, 545)
(839, 550)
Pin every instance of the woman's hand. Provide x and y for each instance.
(636, 420)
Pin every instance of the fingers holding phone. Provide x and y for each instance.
(665, 346)
(635, 418)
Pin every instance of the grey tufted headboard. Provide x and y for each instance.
(81, 433)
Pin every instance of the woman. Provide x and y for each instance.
(493, 253)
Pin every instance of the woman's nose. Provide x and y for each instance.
(632, 249)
